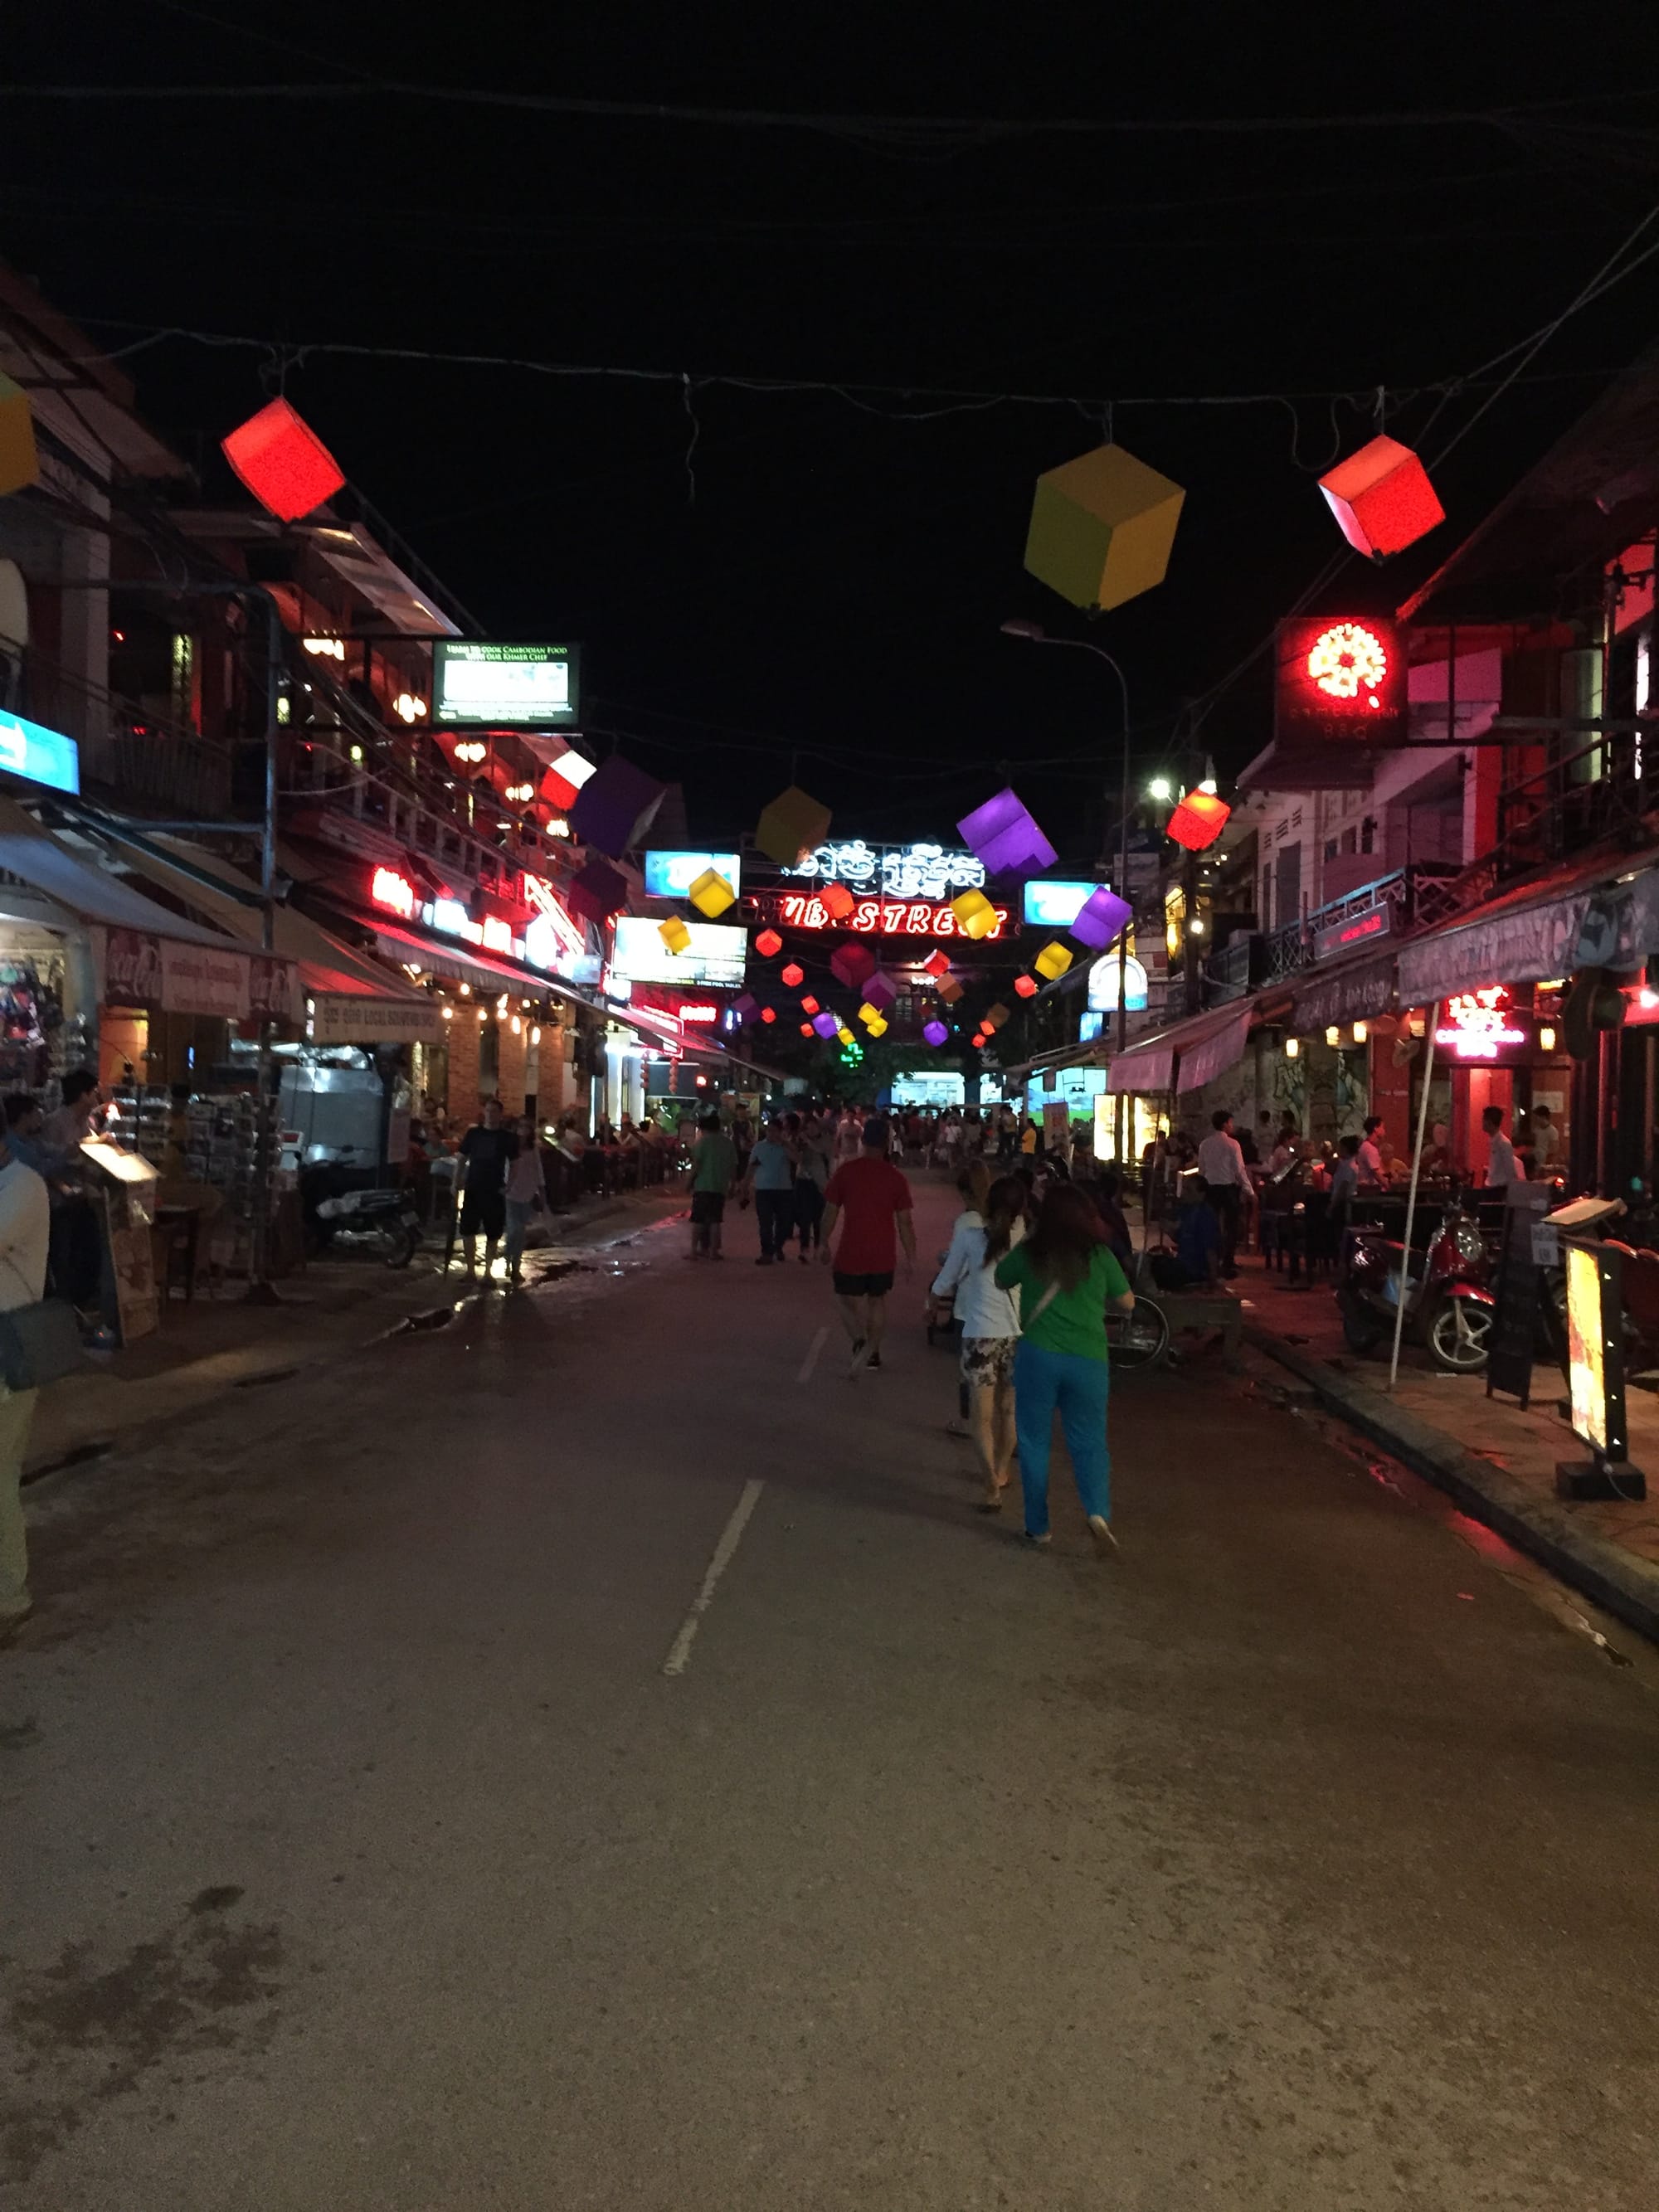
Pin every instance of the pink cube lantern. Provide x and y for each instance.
(1003, 835)
(1381, 499)
(880, 993)
(1100, 918)
(745, 1006)
(598, 891)
(852, 961)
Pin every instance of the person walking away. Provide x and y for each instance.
(713, 1171)
(1368, 1160)
(1502, 1166)
(1066, 1278)
(770, 1180)
(849, 1136)
(525, 1195)
(876, 1200)
(487, 1151)
(25, 1229)
(990, 1326)
(1221, 1163)
(813, 1168)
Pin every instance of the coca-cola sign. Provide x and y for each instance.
(132, 970)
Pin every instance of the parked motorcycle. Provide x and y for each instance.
(1448, 1306)
(340, 1216)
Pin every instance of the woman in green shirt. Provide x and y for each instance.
(1066, 1276)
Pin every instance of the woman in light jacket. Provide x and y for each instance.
(990, 1326)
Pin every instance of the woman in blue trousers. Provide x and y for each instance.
(1066, 1277)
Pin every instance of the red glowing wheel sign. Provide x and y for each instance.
(1348, 660)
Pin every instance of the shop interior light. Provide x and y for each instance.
(535, 1036)
(1196, 924)
(517, 1025)
(467, 990)
(1292, 1048)
(1547, 1040)
(408, 706)
(483, 1013)
(1333, 1036)
(1360, 1032)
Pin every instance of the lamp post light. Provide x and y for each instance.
(1034, 633)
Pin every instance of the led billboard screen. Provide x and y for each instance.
(479, 683)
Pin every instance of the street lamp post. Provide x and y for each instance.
(1034, 633)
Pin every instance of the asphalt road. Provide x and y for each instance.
(356, 1850)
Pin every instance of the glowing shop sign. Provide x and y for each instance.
(1477, 1023)
(553, 940)
(697, 1014)
(671, 874)
(871, 917)
(1346, 659)
(1587, 1337)
(906, 871)
(1102, 986)
(394, 892)
(39, 755)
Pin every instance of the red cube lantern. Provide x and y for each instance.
(767, 942)
(285, 465)
(1381, 499)
(808, 1006)
(1198, 820)
(837, 900)
(937, 963)
(1026, 985)
(793, 975)
(806, 1029)
(768, 1014)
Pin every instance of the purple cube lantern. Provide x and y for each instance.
(598, 891)
(1004, 836)
(746, 1008)
(615, 807)
(827, 1024)
(850, 962)
(880, 993)
(935, 1032)
(1100, 918)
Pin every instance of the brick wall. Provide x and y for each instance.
(462, 1102)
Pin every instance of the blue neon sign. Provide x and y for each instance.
(671, 875)
(40, 754)
(1053, 906)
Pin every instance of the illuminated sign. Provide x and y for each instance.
(1056, 906)
(39, 755)
(902, 871)
(1362, 930)
(394, 892)
(714, 953)
(871, 917)
(671, 875)
(1102, 985)
(1586, 1345)
(699, 1012)
(1477, 1023)
(553, 938)
(1340, 677)
(476, 682)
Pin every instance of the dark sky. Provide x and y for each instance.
(835, 590)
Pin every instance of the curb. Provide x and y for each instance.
(1616, 1580)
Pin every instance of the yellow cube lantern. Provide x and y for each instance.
(878, 1027)
(846, 1035)
(976, 915)
(1053, 960)
(996, 1015)
(869, 1015)
(790, 827)
(674, 934)
(1102, 528)
(711, 894)
(20, 464)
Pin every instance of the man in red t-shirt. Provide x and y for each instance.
(876, 1200)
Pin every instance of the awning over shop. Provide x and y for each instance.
(145, 956)
(1212, 1040)
(1352, 993)
(1604, 913)
(1200, 1063)
(463, 965)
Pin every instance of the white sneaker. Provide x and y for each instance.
(1105, 1543)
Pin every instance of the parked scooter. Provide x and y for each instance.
(1448, 1306)
(340, 1216)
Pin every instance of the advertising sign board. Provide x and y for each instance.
(479, 683)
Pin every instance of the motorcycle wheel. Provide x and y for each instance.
(398, 1244)
(1460, 1336)
(1361, 1330)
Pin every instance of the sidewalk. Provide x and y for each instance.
(1497, 1461)
(332, 1308)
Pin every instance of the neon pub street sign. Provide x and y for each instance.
(871, 917)
(901, 871)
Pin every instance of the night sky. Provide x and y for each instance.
(828, 604)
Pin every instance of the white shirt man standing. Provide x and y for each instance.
(1502, 1166)
(1544, 1138)
(25, 1228)
(1368, 1160)
(1221, 1163)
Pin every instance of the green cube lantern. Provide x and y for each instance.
(790, 826)
(1102, 528)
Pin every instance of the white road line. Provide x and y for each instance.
(679, 1656)
(811, 1358)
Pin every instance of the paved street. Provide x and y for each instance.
(359, 1851)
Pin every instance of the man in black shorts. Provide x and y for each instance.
(713, 1171)
(486, 1149)
(876, 1200)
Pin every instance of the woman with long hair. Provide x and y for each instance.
(1066, 1277)
(990, 1326)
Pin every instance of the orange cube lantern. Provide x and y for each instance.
(790, 827)
(837, 900)
(1102, 528)
(1198, 820)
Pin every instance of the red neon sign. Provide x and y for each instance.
(393, 891)
(871, 917)
(698, 1014)
(1478, 1022)
(1341, 676)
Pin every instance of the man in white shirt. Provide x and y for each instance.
(1221, 1163)
(25, 1228)
(1502, 1166)
(1368, 1160)
(1544, 1138)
